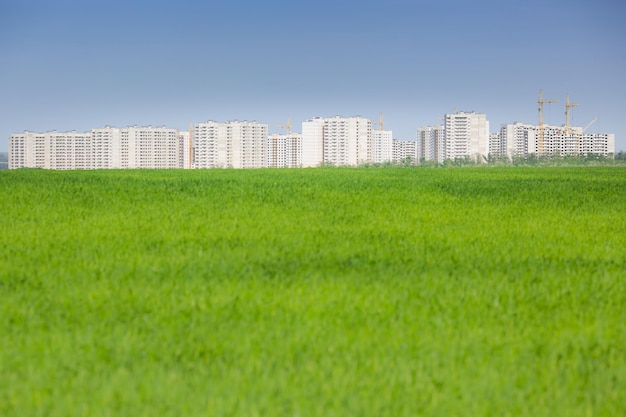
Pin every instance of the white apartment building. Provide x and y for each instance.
(185, 147)
(136, 147)
(234, 144)
(495, 143)
(430, 144)
(467, 135)
(102, 148)
(597, 143)
(382, 145)
(405, 151)
(50, 150)
(341, 141)
(521, 140)
(313, 142)
(284, 151)
(556, 141)
(515, 140)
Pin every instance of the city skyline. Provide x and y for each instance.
(71, 66)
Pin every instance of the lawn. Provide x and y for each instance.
(314, 292)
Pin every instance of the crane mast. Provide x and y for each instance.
(568, 106)
(287, 126)
(541, 102)
(381, 123)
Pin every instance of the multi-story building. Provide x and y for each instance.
(185, 147)
(234, 144)
(136, 147)
(102, 148)
(284, 151)
(382, 146)
(313, 142)
(467, 135)
(521, 140)
(515, 140)
(597, 144)
(405, 152)
(50, 150)
(337, 141)
(431, 143)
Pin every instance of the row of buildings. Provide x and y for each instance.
(340, 141)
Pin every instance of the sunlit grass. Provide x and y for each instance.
(319, 292)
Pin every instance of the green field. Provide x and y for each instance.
(314, 292)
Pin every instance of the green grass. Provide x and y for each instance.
(313, 292)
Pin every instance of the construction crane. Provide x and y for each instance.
(595, 119)
(568, 106)
(541, 102)
(381, 123)
(287, 126)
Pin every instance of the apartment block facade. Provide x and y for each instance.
(405, 152)
(430, 144)
(234, 144)
(382, 146)
(340, 141)
(102, 148)
(467, 135)
(284, 151)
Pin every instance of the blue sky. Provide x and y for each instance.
(76, 65)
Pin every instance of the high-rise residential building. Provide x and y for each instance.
(521, 140)
(382, 146)
(467, 135)
(234, 144)
(284, 151)
(347, 141)
(405, 152)
(136, 147)
(558, 142)
(102, 148)
(313, 142)
(341, 141)
(50, 150)
(185, 147)
(515, 140)
(495, 144)
(597, 144)
(430, 144)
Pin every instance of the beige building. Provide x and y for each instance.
(341, 141)
(467, 135)
(234, 144)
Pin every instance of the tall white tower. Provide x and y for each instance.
(467, 135)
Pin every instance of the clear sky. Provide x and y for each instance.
(81, 64)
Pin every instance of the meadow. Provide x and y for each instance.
(314, 292)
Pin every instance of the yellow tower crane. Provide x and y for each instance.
(541, 102)
(381, 123)
(287, 126)
(568, 106)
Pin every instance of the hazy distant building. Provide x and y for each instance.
(185, 147)
(405, 152)
(50, 150)
(515, 140)
(337, 141)
(284, 151)
(234, 144)
(522, 140)
(136, 147)
(102, 148)
(382, 146)
(313, 142)
(467, 135)
(431, 143)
